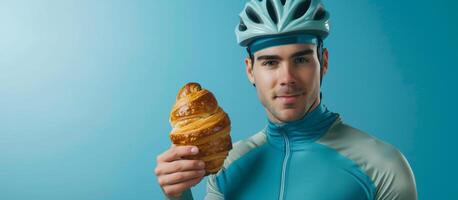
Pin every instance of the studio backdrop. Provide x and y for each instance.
(86, 88)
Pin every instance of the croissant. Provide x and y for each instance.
(197, 120)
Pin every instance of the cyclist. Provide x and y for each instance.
(305, 151)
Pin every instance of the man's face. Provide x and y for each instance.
(287, 79)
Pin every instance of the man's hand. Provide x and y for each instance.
(176, 174)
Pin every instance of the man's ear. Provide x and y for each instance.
(249, 70)
(324, 63)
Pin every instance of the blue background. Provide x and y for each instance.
(86, 88)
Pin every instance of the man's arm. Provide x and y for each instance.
(399, 181)
(213, 192)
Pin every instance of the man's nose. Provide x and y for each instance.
(287, 75)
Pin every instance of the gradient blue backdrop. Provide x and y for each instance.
(86, 88)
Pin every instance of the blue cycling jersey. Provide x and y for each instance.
(318, 157)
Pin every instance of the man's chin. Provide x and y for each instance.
(289, 115)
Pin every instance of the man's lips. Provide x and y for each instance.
(288, 99)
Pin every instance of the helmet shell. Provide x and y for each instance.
(267, 18)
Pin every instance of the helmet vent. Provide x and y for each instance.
(301, 9)
(282, 2)
(271, 10)
(253, 15)
(319, 15)
(242, 26)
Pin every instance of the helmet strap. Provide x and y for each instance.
(320, 59)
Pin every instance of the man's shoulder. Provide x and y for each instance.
(348, 139)
(253, 141)
(242, 147)
(380, 160)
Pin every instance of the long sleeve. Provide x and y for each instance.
(399, 181)
(213, 192)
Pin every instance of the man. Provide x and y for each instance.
(305, 151)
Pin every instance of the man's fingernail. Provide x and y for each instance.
(194, 150)
(201, 164)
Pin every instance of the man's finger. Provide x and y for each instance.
(179, 177)
(176, 152)
(173, 190)
(179, 166)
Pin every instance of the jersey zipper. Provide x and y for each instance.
(285, 164)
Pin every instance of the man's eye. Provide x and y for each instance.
(269, 63)
(301, 60)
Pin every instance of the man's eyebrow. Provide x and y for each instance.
(276, 57)
(268, 57)
(302, 53)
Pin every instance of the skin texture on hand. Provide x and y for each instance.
(175, 174)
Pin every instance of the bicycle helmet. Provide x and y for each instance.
(265, 23)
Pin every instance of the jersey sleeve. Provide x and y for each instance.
(398, 182)
(213, 192)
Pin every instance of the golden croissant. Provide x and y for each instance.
(197, 120)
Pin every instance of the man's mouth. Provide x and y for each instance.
(288, 99)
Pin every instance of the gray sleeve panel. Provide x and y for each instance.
(186, 195)
(383, 163)
(239, 149)
(401, 184)
(213, 192)
(242, 147)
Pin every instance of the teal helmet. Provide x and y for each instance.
(275, 22)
